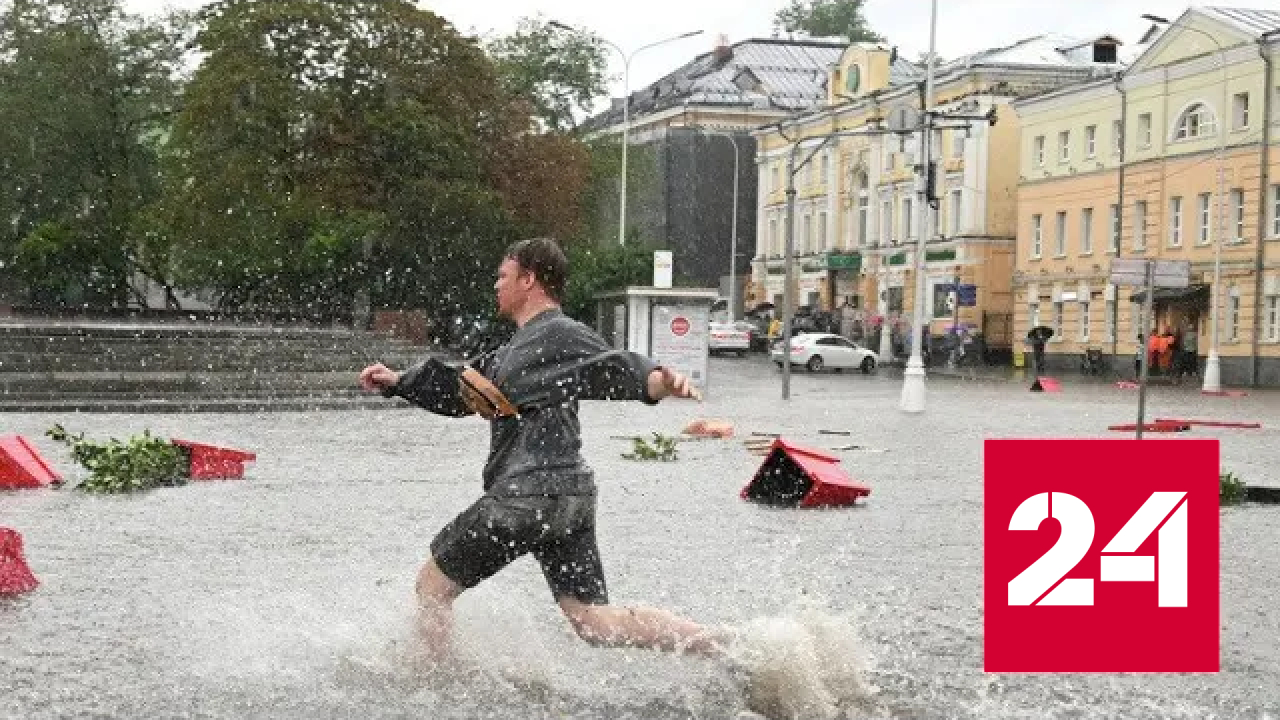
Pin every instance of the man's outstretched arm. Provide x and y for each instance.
(430, 384)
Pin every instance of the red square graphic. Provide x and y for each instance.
(1101, 556)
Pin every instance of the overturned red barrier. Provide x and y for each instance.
(793, 475)
(21, 466)
(1155, 427)
(1046, 384)
(15, 577)
(1214, 423)
(210, 462)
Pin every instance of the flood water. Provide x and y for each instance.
(290, 594)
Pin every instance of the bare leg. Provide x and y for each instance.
(436, 593)
(611, 626)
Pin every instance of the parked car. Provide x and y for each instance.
(727, 337)
(817, 351)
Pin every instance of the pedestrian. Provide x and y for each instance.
(1137, 359)
(539, 494)
(1191, 350)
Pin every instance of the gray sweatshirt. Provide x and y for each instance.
(544, 370)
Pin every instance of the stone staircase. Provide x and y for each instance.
(130, 367)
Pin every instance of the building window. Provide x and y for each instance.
(1203, 238)
(1111, 320)
(1086, 231)
(1091, 141)
(1038, 150)
(1117, 137)
(1060, 238)
(887, 157)
(1175, 222)
(826, 168)
(1064, 146)
(1237, 202)
(886, 222)
(1144, 130)
(1196, 122)
(906, 218)
(1233, 315)
(957, 207)
(1273, 318)
(1140, 225)
(1037, 240)
(1059, 309)
(822, 232)
(806, 238)
(1084, 320)
(772, 249)
(863, 210)
(1275, 211)
(1240, 111)
(1033, 315)
(957, 143)
(1114, 246)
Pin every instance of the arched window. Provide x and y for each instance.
(1197, 121)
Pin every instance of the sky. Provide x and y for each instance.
(964, 26)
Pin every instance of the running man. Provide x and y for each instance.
(539, 494)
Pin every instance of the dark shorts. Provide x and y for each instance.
(560, 532)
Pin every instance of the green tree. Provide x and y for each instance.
(827, 18)
(559, 73)
(330, 145)
(86, 91)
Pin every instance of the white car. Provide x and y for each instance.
(816, 351)
(726, 337)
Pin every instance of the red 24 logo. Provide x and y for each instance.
(1105, 552)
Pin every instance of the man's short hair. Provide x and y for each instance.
(543, 257)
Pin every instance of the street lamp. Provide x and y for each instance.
(626, 110)
(913, 388)
(733, 233)
(1213, 365)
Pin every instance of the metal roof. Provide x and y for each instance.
(1254, 22)
(791, 75)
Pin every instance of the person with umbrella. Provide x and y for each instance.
(1038, 336)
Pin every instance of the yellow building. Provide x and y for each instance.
(1127, 167)
(855, 214)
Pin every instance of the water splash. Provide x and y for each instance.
(806, 663)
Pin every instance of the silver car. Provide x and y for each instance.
(817, 351)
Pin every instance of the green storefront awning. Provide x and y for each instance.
(844, 261)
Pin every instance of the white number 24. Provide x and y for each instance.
(1119, 563)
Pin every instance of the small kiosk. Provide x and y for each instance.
(670, 325)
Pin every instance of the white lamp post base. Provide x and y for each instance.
(913, 386)
(1213, 373)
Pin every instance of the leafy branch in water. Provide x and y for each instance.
(663, 448)
(142, 463)
(1231, 489)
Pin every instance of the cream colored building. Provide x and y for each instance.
(855, 213)
(1128, 167)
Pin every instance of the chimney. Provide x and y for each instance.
(722, 51)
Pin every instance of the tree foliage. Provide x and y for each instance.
(827, 18)
(85, 93)
(558, 72)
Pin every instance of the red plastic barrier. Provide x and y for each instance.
(1046, 384)
(1158, 426)
(15, 577)
(793, 475)
(210, 462)
(22, 467)
(1214, 423)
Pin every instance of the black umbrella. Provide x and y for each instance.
(1039, 333)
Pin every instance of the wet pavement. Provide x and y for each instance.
(289, 594)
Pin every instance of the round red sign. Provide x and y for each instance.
(680, 327)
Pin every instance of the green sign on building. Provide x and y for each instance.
(844, 261)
